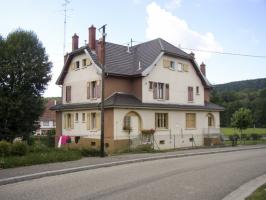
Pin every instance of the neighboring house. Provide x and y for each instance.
(149, 86)
(47, 120)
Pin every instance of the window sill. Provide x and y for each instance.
(190, 101)
(190, 129)
(161, 129)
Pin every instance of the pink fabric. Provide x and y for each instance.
(64, 139)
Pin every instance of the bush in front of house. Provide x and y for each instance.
(19, 149)
(39, 147)
(255, 136)
(5, 148)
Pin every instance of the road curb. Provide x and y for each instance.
(246, 189)
(110, 164)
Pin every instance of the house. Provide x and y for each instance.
(154, 93)
(47, 119)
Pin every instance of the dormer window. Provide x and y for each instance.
(77, 64)
(84, 63)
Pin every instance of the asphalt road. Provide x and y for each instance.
(206, 177)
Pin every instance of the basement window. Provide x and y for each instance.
(93, 143)
(162, 141)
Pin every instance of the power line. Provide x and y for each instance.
(224, 53)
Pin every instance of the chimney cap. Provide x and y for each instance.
(202, 64)
(75, 35)
(92, 26)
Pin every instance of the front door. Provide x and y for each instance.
(134, 126)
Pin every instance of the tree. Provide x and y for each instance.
(24, 74)
(241, 119)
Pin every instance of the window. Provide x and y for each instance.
(94, 89)
(76, 117)
(93, 120)
(197, 90)
(179, 67)
(83, 117)
(190, 120)
(45, 123)
(190, 94)
(68, 121)
(172, 65)
(127, 123)
(68, 93)
(93, 143)
(84, 63)
(160, 90)
(150, 85)
(162, 141)
(161, 120)
(210, 120)
(77, 64)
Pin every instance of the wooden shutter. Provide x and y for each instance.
(68, 93)
(185, 67)
(190, 93)
(65, 120)
(72, 121)
(88, 121)
(167, 91)
(88, 90)
(98, 121)
(98, 89)
(155, 90)
(156, 120)
(166, 63)
(72, 66)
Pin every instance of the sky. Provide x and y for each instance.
(234, 26)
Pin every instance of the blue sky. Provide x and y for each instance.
(229, 26)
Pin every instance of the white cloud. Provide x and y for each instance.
(162, 23)
(171, 5)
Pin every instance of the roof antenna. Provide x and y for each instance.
(66, 2)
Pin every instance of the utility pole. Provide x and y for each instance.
(102, 97)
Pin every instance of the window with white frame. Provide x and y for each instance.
(161, 120)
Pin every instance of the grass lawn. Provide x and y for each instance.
(259, 194)
(231, 131)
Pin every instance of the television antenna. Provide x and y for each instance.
(65, 4)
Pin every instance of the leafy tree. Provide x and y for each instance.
(241, 119)
(24, 74)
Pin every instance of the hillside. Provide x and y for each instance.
(246, 85)
(249, 94)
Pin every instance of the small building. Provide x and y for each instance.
(47, 121)
(155, 93)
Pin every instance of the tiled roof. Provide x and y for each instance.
(123, 61)
(48, 115)
(123, 100)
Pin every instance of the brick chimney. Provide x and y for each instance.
(100, 51)
(92, 39)
(192, 55)
(203, 68)
(75, 42)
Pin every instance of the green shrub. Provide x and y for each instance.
(255, 136)
(19, 149)
(5, 148)
(57, 155)
(143, 148)
(86, 152)
(39, 147)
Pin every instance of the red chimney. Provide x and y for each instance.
(75, 42)
(92, 40)
(203, 68)
(100, 51)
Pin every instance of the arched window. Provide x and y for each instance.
(210, 120)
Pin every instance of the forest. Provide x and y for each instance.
(249, 94)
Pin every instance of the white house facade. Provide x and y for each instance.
(154, 94)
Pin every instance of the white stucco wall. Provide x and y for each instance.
(176, 135)
(178, 84)
(80, 127)
(78, 79)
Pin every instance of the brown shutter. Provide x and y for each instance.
(72, 121)
(155, 90)
(68, 93)
(88, 90)
(98, 89)
(167, 91)
(156, 120)
(166, 63)
(98, 121)
(88, 121)
(65, 120)
(190, 93)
